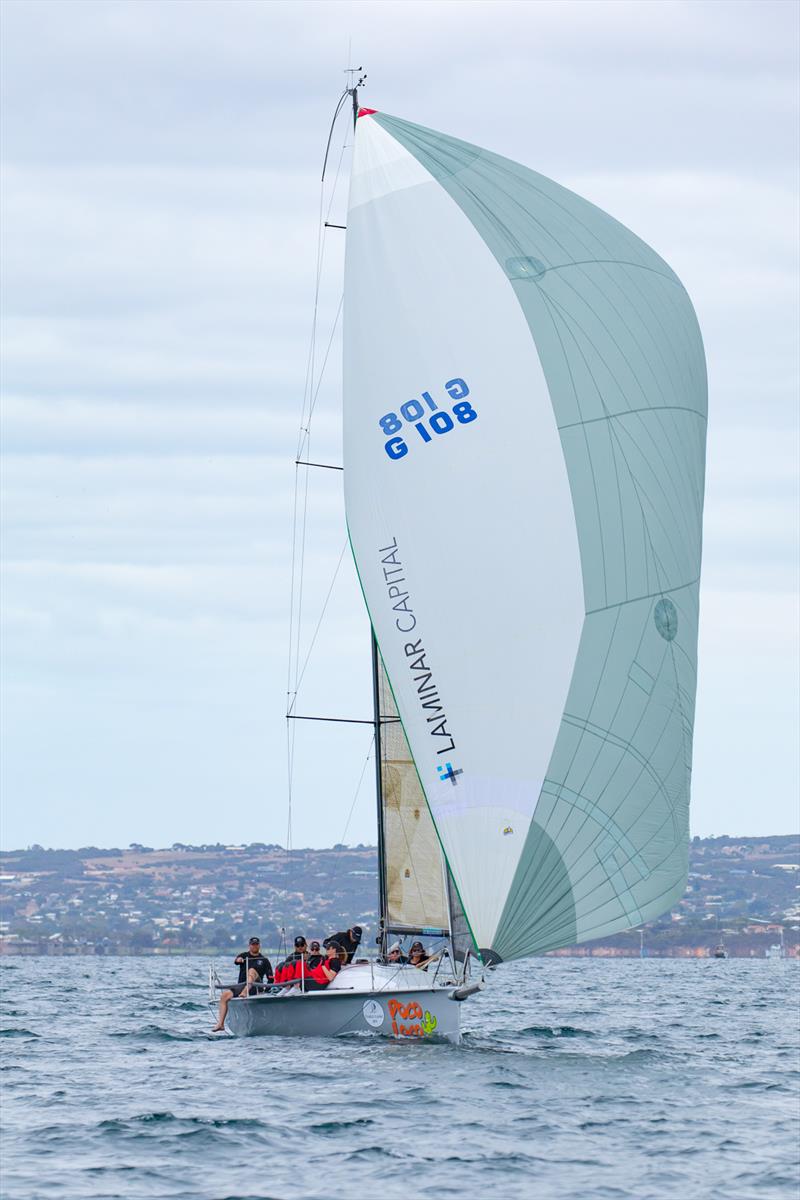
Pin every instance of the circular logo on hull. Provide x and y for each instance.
(373, 1013)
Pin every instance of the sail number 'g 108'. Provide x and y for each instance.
(418, 416)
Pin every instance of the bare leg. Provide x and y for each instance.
(224, 1001)
(252, 977)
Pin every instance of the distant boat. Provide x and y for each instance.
(778, 949)
(524, 450)
(719, 952)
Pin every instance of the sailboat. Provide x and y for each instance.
(524, 452)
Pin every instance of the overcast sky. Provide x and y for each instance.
(160, 200)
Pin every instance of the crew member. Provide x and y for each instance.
(418, 957)
(327, 971)
(348, 941)
(253, 966)
(293, 967)
(395, 954)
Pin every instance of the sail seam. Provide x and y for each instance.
(678, 587)
(631, 412)
(610, 262)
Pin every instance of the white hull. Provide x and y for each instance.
(401, 1003)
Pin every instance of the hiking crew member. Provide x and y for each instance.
(349, 941)
(252, 960)
(293, 967)
(253, 966)
(319, 978)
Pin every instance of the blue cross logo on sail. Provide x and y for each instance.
(449, 773)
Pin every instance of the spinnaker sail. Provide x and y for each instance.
(524, 441)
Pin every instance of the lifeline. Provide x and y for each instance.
(406, 622)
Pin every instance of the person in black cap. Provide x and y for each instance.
(349, 941)
(327, 970)
(300, 949)
(253, 966)
(418, 956)
(293, 967)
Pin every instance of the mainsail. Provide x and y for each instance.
(524, 439)
(415, 881)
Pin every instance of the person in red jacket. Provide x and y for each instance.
(319, 978)
(293, 967)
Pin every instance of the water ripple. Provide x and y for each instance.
(600, 1080)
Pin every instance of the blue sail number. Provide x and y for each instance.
(414, 413)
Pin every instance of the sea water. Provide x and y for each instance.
(576, 1078)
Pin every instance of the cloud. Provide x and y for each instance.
(161, 196)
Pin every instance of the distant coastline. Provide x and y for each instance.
(743, 893)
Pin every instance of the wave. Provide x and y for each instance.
(155, 1033)
(756, 1085)
(632, 1056)
(326, 1127)
(555, 1031)
(158, 1118)
(11, 1033)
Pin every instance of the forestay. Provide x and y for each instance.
(524, 427)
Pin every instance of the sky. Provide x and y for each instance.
(160, 209)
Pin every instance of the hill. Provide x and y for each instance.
(209, 899)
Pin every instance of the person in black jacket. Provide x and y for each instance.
(314, 956)
(253, 966)
(349, 941)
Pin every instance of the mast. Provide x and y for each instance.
(357, 77)
(382, 895)
(382, 892)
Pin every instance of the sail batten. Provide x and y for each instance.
(525, 409)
